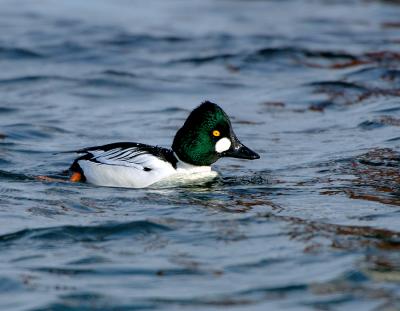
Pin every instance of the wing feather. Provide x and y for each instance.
(133, 155)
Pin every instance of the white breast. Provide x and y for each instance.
(187, 174)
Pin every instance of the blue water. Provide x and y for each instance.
(312, 86)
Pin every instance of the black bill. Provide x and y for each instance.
(240, 151)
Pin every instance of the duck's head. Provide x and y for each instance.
(207, 135)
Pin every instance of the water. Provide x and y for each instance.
(312, 86)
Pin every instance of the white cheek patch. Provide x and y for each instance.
(222, 145)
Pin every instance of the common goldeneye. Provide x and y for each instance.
(206, 136)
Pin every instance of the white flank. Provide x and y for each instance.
(222, 145)
(133, 176)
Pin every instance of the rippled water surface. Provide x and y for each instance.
(313, 86)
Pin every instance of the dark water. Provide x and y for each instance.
(313, 86)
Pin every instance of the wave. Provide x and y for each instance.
(101, 232)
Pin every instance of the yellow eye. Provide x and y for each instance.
(216, 133)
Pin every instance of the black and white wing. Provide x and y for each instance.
(134, 155)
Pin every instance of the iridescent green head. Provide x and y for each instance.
(207, 135)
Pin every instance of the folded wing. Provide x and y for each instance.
(134, 155)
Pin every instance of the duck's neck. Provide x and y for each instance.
(183, 166)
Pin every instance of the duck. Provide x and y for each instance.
(205, 137)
